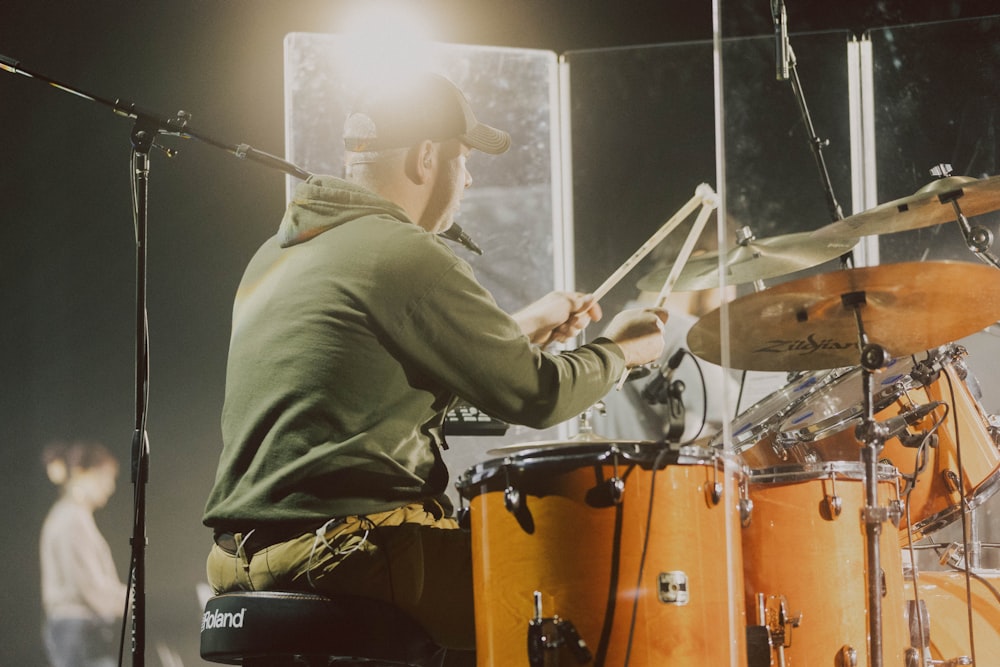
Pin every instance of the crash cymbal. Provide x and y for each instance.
(922, 209)
(805, 325)
(755, 259)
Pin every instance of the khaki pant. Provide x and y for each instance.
(409, 557)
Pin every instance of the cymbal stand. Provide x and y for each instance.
(873, 435)
(978, 239)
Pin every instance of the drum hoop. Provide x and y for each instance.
(560, 459)
(846, 418)
(986, 489)
(750, 432)
(799, 472)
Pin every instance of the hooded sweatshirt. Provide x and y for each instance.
(353, 331)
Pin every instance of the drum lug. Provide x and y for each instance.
(713, 491)
(847, 657)
(895, 512)
(746, 511)
(512, 499)
(616, 489)
(834, 506)
(951, 480)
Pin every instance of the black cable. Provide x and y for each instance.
(609, 611)
(964, 506)
(704, 398)
(642, 556)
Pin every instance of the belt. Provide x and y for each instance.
(254, 540)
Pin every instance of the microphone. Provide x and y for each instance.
(655, 390)
(780, 39)
(457, 234)
(895, 426)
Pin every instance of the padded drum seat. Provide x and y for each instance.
(292, 628)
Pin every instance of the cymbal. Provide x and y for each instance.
(922, 209)
(804, 325)
(539, 446)
(757, 259)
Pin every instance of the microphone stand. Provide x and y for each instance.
(144, 132)
(787, 71)
(147, 126)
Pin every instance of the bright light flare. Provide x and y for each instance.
(387, 41)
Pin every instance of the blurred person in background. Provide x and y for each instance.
(82, 594)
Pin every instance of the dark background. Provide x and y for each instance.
(67, 274)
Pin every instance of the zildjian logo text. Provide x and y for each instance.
(808, 345)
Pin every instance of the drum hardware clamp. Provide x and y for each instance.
(773, 614)
(549, 634)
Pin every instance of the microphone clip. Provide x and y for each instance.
(457, 234)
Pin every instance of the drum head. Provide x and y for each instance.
(840, 403)
(765, 415)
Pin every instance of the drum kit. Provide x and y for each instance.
(780, 540)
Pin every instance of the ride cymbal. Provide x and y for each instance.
(930, 205)
(808, 324)
(752, 260)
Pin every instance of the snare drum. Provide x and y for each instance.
(822, 428)
(624, 543)
(804, 555)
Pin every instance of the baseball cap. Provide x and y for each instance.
(426, 107)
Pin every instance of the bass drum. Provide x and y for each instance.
(946, 629)
(622, 544)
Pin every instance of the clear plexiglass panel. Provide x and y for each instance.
(932, 111)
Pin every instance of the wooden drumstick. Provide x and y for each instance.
(701, 195)
(704, 196)
(709, 204)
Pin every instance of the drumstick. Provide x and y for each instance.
(709, 203)
(704, 196)
(652, 242)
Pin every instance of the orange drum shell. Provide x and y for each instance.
(944, 594)
(934, 501)
(569, 559)
(819, 565)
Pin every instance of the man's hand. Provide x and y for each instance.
(639, 333)
(557, 316)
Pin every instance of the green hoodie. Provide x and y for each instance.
(353, 331)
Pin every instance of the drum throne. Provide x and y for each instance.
(280, 628)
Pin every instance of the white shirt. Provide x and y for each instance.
(79, 579)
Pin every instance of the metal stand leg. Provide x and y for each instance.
(872, 434)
